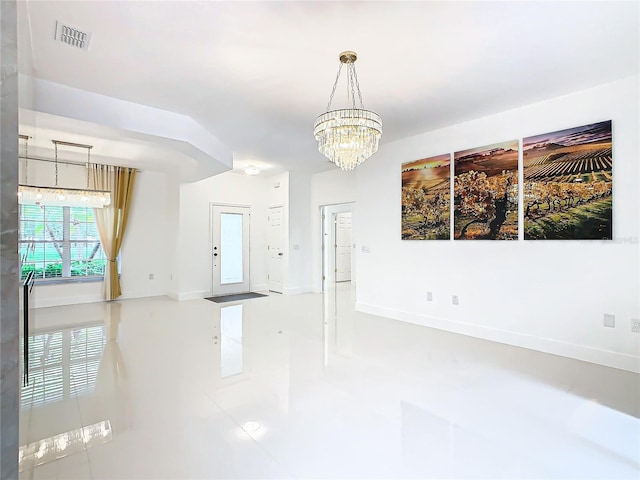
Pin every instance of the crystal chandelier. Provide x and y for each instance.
(348, 136)
(68, 197)
(65, 197)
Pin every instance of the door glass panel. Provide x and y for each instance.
(231, 341)
(230, 248)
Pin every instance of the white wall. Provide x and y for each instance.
(172, 190)
(545, 295)
(298, 276)
(193, 267)
(328, 188)
(144, 249)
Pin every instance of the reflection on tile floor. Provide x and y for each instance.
(304, 387)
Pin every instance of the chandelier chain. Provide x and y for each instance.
(88, 165)
(335, 84)
(355, 77)
(26, 162)
(352, 84)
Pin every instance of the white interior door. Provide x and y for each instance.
(343, 246)
(275, 240)
(230, 249)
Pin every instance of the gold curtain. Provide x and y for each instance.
(112, 219)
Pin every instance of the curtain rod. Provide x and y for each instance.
(68, 162)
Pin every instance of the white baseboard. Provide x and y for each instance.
(61, 301)
(295, 290)
(127, 296)
(191, 295)
(599, 356)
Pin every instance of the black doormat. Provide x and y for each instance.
(237, 296)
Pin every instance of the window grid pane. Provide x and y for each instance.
(43, 249)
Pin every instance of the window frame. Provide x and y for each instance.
(65, 244)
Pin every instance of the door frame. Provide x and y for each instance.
(335, 243)
(212, 206)
(327, 240)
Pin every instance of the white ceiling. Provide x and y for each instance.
(256, 74)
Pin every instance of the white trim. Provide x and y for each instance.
(585, 353)
(260, 287)
(131, 295)
(295, 290)
(191, 295)
(93, 298)
(221, 204)
(63, 301)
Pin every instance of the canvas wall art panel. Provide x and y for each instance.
(426, 199)
(568, 184)
(486, 192)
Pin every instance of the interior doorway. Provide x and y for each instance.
(230, 249)
(342, 226)
(338, 243)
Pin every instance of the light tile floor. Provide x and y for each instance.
(304, 387)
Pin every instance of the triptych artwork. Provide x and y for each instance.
(566, 193)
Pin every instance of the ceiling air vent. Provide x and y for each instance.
(72, 36)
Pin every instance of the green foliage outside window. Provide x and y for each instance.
(59, 242)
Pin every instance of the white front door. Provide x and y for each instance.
(275, 240)
(230, 249)
(343, 246)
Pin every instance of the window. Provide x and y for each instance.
(59, 242)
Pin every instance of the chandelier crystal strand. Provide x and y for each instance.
(55, 146)
(348, 136)
(88, 165)
(26, 162)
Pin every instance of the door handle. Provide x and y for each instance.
(280, 254)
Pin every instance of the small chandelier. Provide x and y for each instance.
(348, 136)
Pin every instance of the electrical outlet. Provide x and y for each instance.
(609, 320)
(455, 300)
(429, 296)
(151, 276)
(635, 325)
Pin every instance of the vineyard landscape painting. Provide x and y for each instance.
(568, 184)
(426, 198)
(486, 192)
